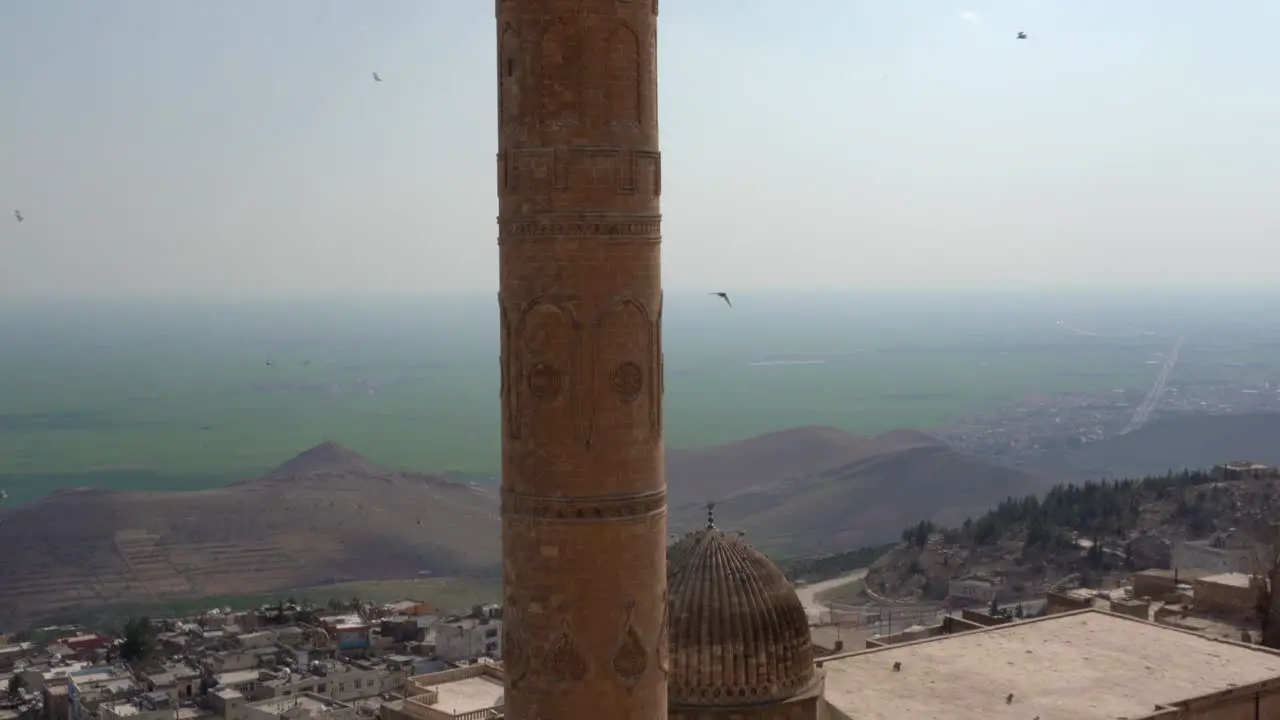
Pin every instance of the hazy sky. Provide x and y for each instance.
(162, 145)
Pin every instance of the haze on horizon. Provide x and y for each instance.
(240, 147)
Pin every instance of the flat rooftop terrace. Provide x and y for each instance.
(1086, 665)
(468, 695)
(278, 706)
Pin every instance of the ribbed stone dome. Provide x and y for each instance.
(739, 635)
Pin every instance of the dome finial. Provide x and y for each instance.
(711, 515)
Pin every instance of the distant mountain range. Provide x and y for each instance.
(330, 515)
(818, 489)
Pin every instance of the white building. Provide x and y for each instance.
(341, 681)
(973, 587)
(469, 638)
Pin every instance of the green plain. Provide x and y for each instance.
(178, 394)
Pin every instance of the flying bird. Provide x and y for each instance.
(725, 296)
(18, 214)
(1022, 36)
(376, 78)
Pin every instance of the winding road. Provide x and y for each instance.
(818, 612)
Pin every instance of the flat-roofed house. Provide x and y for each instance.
(1084, 665)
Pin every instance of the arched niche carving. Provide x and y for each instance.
(625, 378)
(626, 77)
(510, 76)
(542, 386)
(559, 74)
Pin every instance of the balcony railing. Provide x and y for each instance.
(419, 708)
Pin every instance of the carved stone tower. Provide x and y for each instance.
(583, 484)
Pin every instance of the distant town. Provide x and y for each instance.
(1038, 424)
(404, 660)
(409, 660)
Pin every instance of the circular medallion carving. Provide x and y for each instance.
(545, 382)
(628, 381)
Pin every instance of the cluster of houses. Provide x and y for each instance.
(401, 661)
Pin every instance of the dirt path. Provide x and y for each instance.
(816, 611)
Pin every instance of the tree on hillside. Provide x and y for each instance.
(139, 639)
(1266, 579)
(16, 683)
(918, 534)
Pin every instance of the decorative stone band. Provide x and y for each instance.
(584, 510)
(624, 228)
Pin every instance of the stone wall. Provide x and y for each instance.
(983, 619)
(1162, 584)
(1251, 702)
(1056, 603)
(1133, 608)
(950, 625)
(1225, 597)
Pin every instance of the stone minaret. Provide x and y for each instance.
(583, 485)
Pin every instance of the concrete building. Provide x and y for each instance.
(1157, 584)
(1084, 665)
(580, 300)
(307, 706)
(244, 682)
(1244, 470)
(148, 706)
(1057, 602)
(89, 688)
(468, 638)
(974, 589)
(351, 632)
(11, 654)
(179, 680)
(412, 608)
(340, 681)
(129, 711)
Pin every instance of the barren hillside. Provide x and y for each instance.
(326, 516)
(836, 491)
(711, 474)
(329, 515)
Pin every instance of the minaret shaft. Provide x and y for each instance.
(583, 483)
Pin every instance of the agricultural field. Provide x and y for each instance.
(179, 394)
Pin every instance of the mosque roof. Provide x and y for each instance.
(739, 635)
